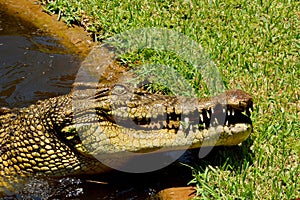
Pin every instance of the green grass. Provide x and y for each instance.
(256, 46)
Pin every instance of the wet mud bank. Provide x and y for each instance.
(30, 11)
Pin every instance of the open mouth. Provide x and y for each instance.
(211, 117)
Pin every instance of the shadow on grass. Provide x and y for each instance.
(226, 157)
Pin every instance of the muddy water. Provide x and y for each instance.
(32, 66)
(35, 66)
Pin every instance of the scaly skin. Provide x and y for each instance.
(51, 138)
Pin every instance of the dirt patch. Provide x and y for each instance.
(74, 38)
(177, 193)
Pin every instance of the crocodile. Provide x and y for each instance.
(50, 138)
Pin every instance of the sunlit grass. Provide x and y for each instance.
(256, 46)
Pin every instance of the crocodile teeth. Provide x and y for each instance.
(158, 125)
(228, 112)
(224, 110)
(212, 111)
(232, 112)
(226, 123)
(248, 112)
(216, 121)
(208, 115)
(201, 117)
(186, 120)
(180, 127)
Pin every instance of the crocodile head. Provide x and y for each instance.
(124, 121)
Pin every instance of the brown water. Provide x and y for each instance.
(32, 65)
(35, 66)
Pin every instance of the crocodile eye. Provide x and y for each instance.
(119, 90)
